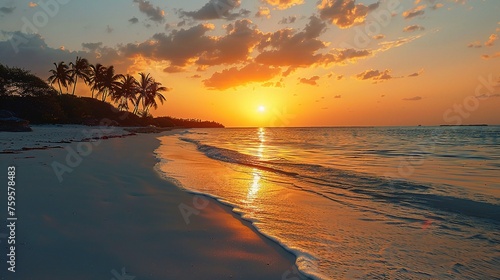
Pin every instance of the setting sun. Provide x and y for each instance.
(261, 109)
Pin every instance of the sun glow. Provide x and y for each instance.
(261, 109)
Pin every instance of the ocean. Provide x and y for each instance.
(356, 202)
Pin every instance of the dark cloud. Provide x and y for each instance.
(287, 20)
(133, 20)
(153, 13)
(7, 10)
(216, 9)
(344, 13)
(285, 47)
(180, 47)
(109, 29)
(31, 52)
(337, 96)
(234, 76)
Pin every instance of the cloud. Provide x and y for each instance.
(33, 53)
(109, 29)
(475, 44)
(491, 40)
(387, 45)
(416, 74)
(233, 77)
(375, 75)
(235, 46)
(437, 6)
(153, 13)
(263, 12)
(194, 46)
(7, 10)
(343, 55)
(311, 81)
(413, 28)
(196, 76)
(487, 56)
(287, 20)
(378, 37)
(486, 96)
(337, 96)
(415, 98)
(180, 47)
(344, 13)
(32, 4)
(283, 4)
(286, 47)
(416, 11)
(216, 9)
(133, 20)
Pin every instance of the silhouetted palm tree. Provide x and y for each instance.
(60, 75)
(109, 82)
(96, 77)
(126, 91)
(79, 69)
(155, 92)
(144, 84)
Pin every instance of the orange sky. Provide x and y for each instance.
(334, 63)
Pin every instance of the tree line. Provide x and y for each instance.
(104, 82)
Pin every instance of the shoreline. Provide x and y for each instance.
(107, 215)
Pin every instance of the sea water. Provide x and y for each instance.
(356, 203)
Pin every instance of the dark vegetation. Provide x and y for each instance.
(33, 99)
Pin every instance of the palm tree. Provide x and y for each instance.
(144, 84)
(79, 69)
(60, 75)
(127, 91)
(155, 92)
(109, 82)
(96, 76)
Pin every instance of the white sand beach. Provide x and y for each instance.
(113, 217)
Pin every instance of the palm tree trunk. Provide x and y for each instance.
(60, 89)
(76, 80)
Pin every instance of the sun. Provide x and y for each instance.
(261, 109)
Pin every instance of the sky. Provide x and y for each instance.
(279, 62)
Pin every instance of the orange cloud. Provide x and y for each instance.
(416, 11)
(283, 4)
(413, 28)
(234, 77)
(313, 81)
(263, 12)
(487, 56)
(344, 13)
(491, 40)
(375, 75)
(32, 4)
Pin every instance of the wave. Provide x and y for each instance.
(357, 186)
